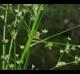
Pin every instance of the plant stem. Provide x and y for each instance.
(58, 60)
(63, 65)
(56, 43)
(26, 61)
(54, 35)
(4, 38)
(31, 34)
(3, 62)
(9, 54)
(12, 40)
(14, 55)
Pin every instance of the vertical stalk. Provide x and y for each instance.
(31, 34)
(12, 41)
(3, 52)
(14, 55)
(9, 53)
(4, 38)
(26, 61)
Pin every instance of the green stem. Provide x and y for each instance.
(4, 38)
(55, 43)
(61, 55)
(31, 34)
(55, 35)
(15, 55)
(9, 54)
(26, 50)
(12, 40)
(63, 65)
(26, 61)
(3, 62)
(40, 18)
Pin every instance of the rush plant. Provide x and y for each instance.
(10, 58)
